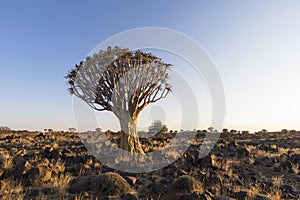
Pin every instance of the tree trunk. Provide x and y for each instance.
(129, 137)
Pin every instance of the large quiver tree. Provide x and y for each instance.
(123, 82)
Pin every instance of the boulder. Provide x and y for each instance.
(110, 183)
(159, 188)
(186, 184)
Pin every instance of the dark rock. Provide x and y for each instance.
(209, 161)
(187, 196)
(241, 195)
(18, 169)
(295, 158)
(286, 188)
(264, 147)
(223, 198)
(128, 197)
(171, 196)
(51, 153)
(205, 197)
(196, 195)
(261, 197)
(276, 169)
(186, 184)
(80, 184)
(233, 144)
(159, 188)
(242, 152)
(33, 193)
(48, 191)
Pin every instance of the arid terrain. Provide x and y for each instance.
(56, 165)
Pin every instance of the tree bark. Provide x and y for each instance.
(129, 137)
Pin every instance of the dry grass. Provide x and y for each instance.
(7, 161)
(263, 153)
(61, 182)
(275, 194)
(11, 189)
(89, 161)
(42, 196)
(59, 165)
(295, 168)
(172, 154)
(228, 169)
(252, 192)
(87, 196)
(250, 148)
(277, 181)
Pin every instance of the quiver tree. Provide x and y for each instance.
(123, 82)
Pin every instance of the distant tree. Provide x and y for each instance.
(211, 129)
(4, 128)
(157, 127)
(232, 131)
(264, 131)
(123, 82)
(225, 130)
(98, 130)
(284, 131)
(72, 130)
(50, 130)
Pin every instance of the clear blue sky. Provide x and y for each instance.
(255, 45)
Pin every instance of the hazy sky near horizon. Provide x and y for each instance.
(254, 44)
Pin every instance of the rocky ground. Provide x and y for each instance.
(56, 165)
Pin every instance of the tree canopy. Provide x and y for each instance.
(119, 79)
(123, 82)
